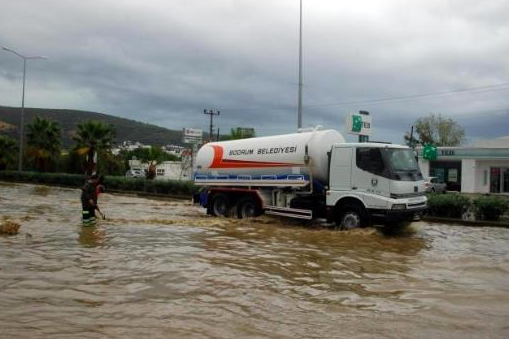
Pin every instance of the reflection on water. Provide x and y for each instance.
(91, 236)
(164, 269)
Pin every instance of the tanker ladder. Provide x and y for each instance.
(289, 212)
(243, 180)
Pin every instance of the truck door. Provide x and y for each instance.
(370, 175)
(340, 178)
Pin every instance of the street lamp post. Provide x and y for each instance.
(25, 58)
(299, 99)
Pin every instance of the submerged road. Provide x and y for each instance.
(163, 269)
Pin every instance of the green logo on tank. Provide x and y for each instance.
(356, 123)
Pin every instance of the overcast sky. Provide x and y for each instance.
(163, 62)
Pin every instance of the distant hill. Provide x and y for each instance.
(68, 119)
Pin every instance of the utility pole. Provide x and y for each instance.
(211, 112)
(299, 104)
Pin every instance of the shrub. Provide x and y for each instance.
(490, 208)
(150, 186)
(448, 205)
(73, 180)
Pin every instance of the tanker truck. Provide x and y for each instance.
(308, 175)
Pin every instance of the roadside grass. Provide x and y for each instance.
(115, 183)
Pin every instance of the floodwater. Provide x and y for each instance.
(163, 269)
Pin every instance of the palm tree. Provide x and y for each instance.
(9, 149)
(92, 137)
(43, 141)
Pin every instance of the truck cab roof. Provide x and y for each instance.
(369, 144)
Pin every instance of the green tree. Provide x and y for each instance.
(71, 162)
(437, 130)
(43, 142)
(238, 133)
(9, 150)
(109, 164)
(93, 138)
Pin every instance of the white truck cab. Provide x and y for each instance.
(383, 179)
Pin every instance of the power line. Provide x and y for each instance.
(479, 89)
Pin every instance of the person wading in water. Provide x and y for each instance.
(98, 190)
(89, 200)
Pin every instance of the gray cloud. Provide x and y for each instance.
(163, 62)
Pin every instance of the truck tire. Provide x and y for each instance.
(248, 208)
(220, 205)
(351, 216)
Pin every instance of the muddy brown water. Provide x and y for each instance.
(163, 269)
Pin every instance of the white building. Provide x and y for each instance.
(175, 150)
(167, 170)
(482, 168)
(173, 170)
(131, 146)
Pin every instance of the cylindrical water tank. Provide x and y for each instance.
(273, 155)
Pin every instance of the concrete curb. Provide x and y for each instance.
(112, 191)
(477, 223)
(150, 195)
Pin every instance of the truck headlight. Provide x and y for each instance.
(399, 207)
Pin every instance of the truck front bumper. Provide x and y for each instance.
(393, 217)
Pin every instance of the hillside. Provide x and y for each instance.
(126, 129)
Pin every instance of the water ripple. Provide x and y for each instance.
(165, 269)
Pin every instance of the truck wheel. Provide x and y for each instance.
(247, 208)
(350, 217)
(220, 205)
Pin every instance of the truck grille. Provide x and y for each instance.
(407, 195)
(417, 204)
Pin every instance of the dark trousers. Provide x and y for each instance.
(88, 216)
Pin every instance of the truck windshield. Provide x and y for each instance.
(403, 164)
(402, 160)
